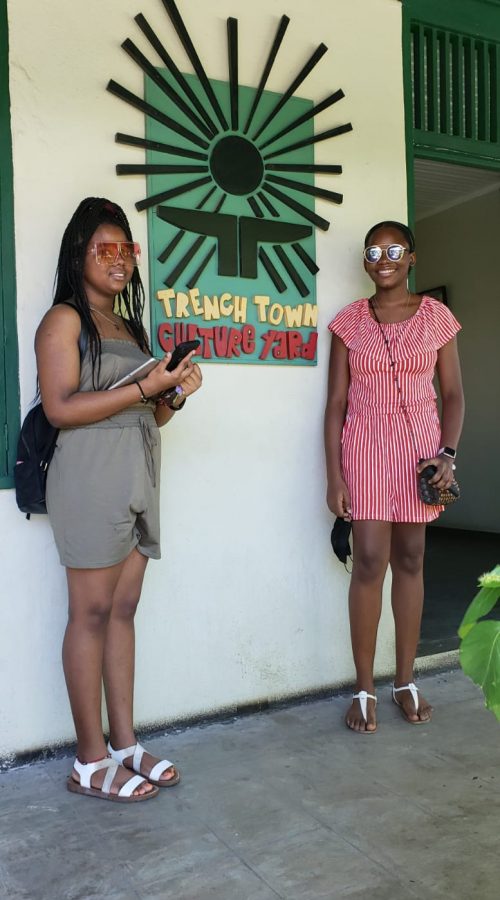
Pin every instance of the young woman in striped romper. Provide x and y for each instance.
(373, 448)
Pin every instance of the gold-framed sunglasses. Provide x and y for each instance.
(393, 252)
(107, 252)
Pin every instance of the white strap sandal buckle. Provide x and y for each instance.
(363, 697)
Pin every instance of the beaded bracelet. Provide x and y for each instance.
(170, 397)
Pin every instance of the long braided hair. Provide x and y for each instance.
(69, 286)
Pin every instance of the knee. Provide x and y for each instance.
(369, 566)
(125, 606)
(408, 562)
(93, 615)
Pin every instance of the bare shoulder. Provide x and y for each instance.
(61, 322)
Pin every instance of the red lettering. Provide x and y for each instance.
(165, 339)
(268, 339)
(206, 335)
(248, 339)
(233, 344)
(309, 348)
(294, 341)
(220, 340)
(280, 351)
(180, 333)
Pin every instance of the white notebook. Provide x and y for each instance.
(136, 374)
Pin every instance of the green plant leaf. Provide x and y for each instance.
(480, 660)
(483, 603)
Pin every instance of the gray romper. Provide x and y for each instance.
(104, 479)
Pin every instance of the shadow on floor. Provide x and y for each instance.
(454, 560)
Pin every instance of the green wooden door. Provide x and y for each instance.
(9, 381)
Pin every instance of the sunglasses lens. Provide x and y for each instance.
(373, 254)
(131, 252)
(107, 252)
(395, 252)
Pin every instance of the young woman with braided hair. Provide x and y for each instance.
(385, 351)
(103, 485)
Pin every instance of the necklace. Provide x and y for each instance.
(99, 313)
(373, 305)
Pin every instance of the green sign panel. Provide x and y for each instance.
(231, 262)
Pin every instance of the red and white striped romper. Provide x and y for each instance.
(378, 455)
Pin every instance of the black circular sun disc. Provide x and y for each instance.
(236, 165)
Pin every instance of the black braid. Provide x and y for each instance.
(92, 212)
(405, 231)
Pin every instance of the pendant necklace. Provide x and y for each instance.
(99, 313)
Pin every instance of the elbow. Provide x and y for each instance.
(56, 416)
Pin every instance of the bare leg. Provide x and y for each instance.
(372, 541)
(119, 659)
(90, 599)
(407, 559)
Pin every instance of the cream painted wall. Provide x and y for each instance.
(459, 248)
(247, 602)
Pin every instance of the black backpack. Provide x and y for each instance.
(35, 449)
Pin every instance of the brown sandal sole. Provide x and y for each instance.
(76, 788)
(161, 784)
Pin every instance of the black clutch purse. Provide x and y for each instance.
(340, 535)
(433, 496)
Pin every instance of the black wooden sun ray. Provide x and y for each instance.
(282, 27)
(267, 203)
(311, 189)
(174, 71)
(272, 271)
(173, 192)
(291, 270)
(303, 167)
(325, 104)
(193, 281)
(254, 206)
(306, 259)
(169, 249)
(323, 136)
(297, 207)
(114, 88)
(232, 49)
(304, 72)
(149, 69)
(155, 169)
(176, 19)
(132, 141)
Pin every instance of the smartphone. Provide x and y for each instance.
(180, 352)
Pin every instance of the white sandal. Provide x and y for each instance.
(137, 751)
(413, 689)
(124, 795)
(363, 697)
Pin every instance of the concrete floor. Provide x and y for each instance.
(283, 804)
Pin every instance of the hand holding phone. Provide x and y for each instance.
(180, 352)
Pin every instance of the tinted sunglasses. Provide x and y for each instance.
(107, 252)
(394, 252)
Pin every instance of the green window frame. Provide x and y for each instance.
(451, 61)
(451, 69)
(9, 371)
